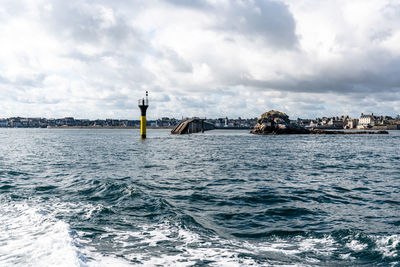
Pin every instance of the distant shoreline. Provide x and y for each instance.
(120, 127)
(135, 127)
(108, 127)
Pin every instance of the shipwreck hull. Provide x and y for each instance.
(192, 126)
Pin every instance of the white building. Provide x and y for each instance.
(366, 120)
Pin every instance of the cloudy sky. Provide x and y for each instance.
(208, 58)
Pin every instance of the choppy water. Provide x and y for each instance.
(223, 198)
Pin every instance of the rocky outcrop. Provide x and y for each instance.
(276, 122)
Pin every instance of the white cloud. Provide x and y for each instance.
(199, 58)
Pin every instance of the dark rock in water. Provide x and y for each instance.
(276, 122)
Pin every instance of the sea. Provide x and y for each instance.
(105, 197)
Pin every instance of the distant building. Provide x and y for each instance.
(3, 123)
(313, 124)
(383, 120)
(351, 123)
(366, 120)
(336, 123)
(69, 121)
(324, 120)
(219, 123)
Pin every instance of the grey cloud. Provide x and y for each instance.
(320, 85)
(190, 4)
(83, 22)
(78, 23)
(179, 64)
(118, 103)
(347, 78)
(392, 97)
(160, 98)
(381, 35)
(33, 80)
(3, 80)
(270, 20)
(66, 18)
(225, 91)
(309, 106)
(75, 54)
(391, 11)
(192, 102)
(12, 8)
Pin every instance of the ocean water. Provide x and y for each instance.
(72, 197)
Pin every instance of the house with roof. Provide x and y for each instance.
(367, 120)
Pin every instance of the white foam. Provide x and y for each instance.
(294, 247)
(32, 236)
(355, 245)
(102, 260)
(29, 236)
(388, 245)
(346, 256)
(192, 248)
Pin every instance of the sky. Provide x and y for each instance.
(205, 58)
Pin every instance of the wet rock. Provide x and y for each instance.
(276, 122)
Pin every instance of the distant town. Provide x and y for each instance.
(365, 121)
(19, 122)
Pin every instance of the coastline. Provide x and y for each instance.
(108, 127)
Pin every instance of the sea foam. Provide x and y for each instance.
(30, 236)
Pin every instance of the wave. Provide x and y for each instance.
(33, 234)
(30, 236)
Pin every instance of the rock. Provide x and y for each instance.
(276, 122)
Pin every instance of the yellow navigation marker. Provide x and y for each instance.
(143, 105)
